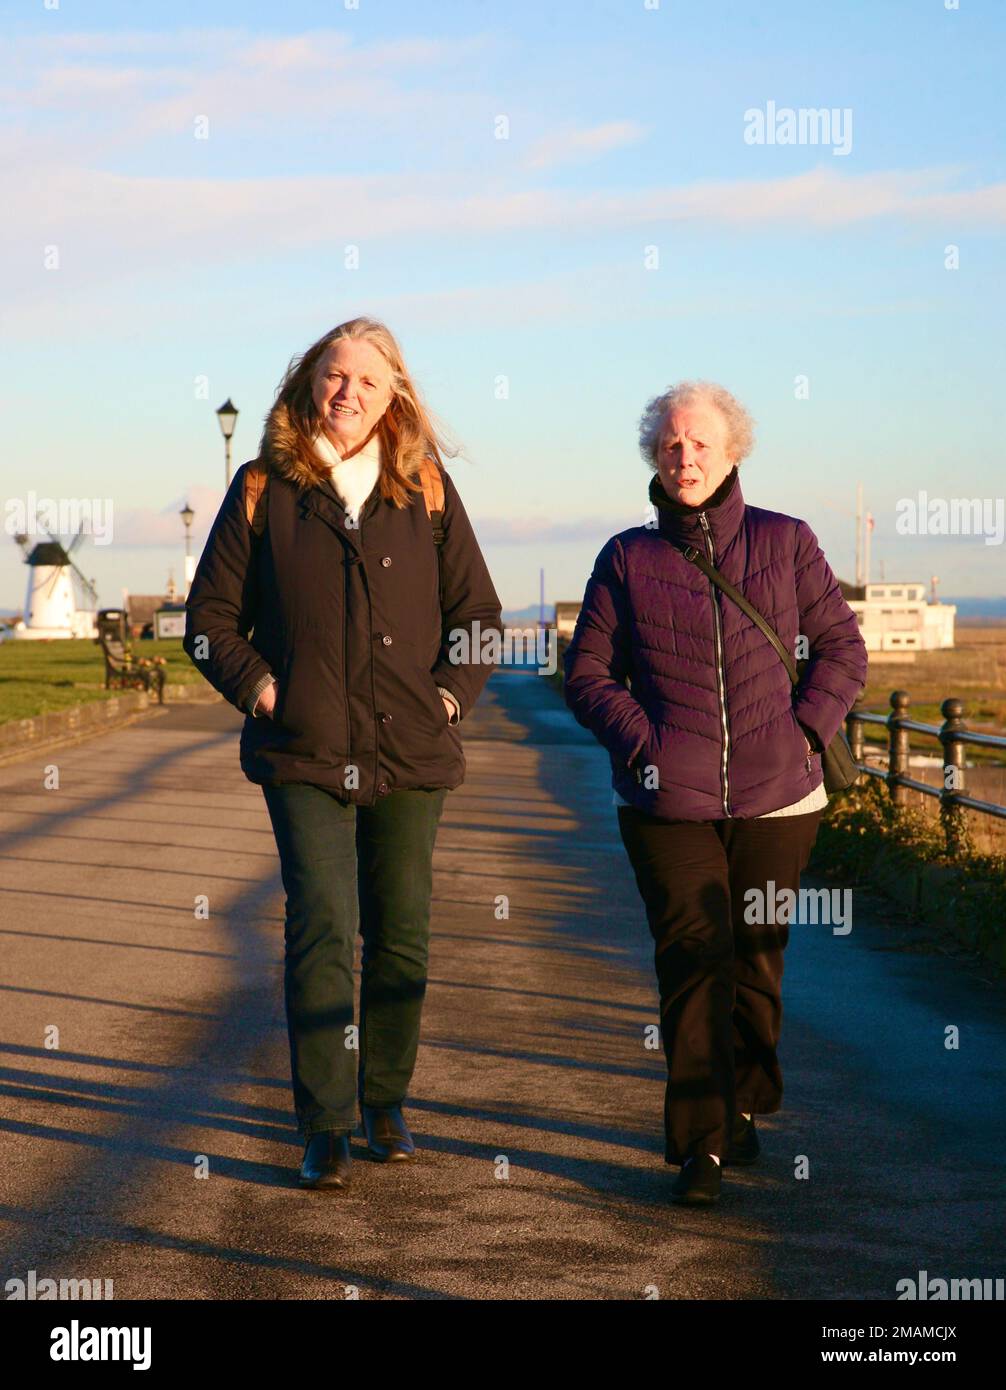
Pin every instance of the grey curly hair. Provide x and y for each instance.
(740, 426)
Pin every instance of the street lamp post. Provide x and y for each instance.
(187, 514)
(227, 414)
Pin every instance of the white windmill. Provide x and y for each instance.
(60, 601)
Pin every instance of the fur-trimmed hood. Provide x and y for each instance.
(284, 454)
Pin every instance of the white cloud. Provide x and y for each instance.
(109, 223)
(112, 97)
(143, 526)
(574, 145)
(244, 81)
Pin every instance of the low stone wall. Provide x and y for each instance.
(95, 717)
(78, 720)
(199, 692)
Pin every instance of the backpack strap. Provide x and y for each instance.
(433, 496)
(256, 487)
(256, 497)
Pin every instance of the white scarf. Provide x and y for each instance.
(354, 478)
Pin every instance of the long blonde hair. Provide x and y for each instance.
(405, 430)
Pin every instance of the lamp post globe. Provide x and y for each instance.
(227, 415)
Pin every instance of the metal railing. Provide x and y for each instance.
(954, 737)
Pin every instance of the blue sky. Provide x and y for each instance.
(183, 259)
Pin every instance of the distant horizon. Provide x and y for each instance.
(972, 602)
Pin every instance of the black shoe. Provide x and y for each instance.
(387, 1137)
(698, 1183)
(744, 1146)
(326, 1162)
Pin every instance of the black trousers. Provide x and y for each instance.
(719, 968)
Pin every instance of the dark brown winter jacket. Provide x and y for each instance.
(349, 622)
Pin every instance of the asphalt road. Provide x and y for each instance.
(536, 1102)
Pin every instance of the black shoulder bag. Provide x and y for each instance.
(839, 766)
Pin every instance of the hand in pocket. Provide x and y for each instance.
(266, 702)
(640, 762)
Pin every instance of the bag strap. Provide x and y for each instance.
(433, 496)
(713, 574)
(256, 485)
(256, 510)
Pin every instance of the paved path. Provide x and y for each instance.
(171, 1046)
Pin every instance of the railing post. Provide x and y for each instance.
(897, 756)
(952, 815)
(854, 729)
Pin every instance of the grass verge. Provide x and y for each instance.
(39, 677)
(864, 838)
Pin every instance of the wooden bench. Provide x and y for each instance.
(123, 671)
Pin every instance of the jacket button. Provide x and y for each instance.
(385, 560)
(386, 640)
(384, 718)
(383, 788)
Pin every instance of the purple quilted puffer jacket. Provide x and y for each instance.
(691, 701)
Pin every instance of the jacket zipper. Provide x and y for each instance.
(720, 675)
(375, 780)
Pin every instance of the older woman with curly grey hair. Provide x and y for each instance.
(715, 755)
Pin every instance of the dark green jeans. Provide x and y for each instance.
(349, 869)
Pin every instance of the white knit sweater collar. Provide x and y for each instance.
(354, 479)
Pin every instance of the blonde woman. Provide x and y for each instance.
(338, 564)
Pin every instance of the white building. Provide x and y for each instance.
(896, 617)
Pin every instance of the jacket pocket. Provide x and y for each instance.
(281, 671)
(636, 767)
(435, 701)
(805, 755)
(301, 698)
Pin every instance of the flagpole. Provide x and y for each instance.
(859, 534)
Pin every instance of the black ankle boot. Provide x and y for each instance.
(744, 1146)
(388, 1138)
(698, 1183)
(327, 1161)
